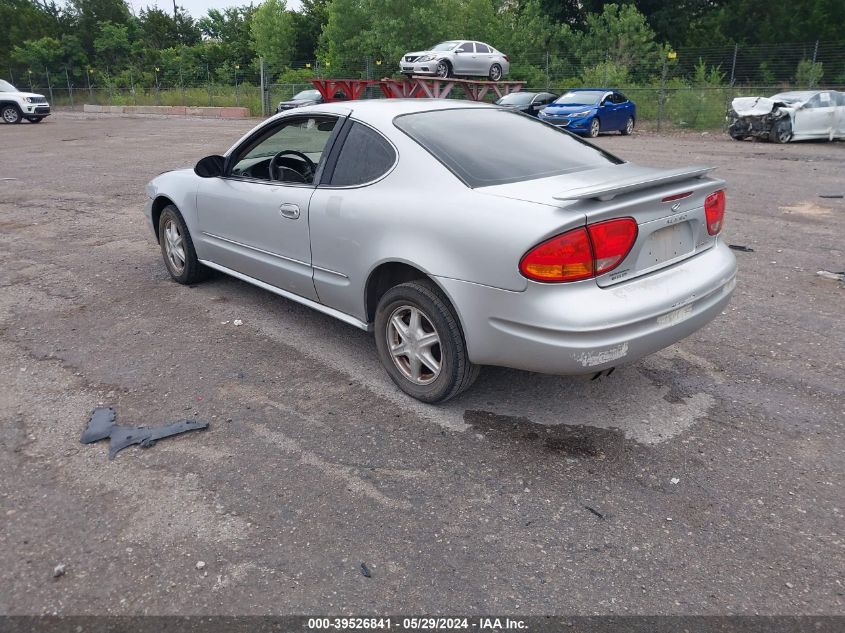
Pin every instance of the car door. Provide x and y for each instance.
(256, 223)
(464, 54)
(840, 114)
(816, 118)
(607, 113)
(483, 59)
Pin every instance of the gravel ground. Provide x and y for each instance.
(705, 479)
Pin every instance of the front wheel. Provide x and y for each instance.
(629, 127)
(420, 343)
(781, 132)
(443, 69)
(10, 113)
(495, 73)
(595, 126)
(177, 248)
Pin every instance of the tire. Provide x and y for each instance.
(10, 113)
(435, 319)
(443, 69)
(629, 127)
(191, 271)
(595, 126)
(495, 73)
(35, 119)
(738, 137)
(781, 132)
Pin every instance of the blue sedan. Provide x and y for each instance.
(592, 110)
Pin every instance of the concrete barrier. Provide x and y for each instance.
(207, 113)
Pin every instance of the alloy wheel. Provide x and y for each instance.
(594, 128)
(442, 70)
(174, 247)
(495, 72)
(629, 126)
(11, 114)
(414, 345)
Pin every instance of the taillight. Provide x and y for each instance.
(714, 209)
(566, 257)
(612, 241)
(581, 253)
(507, 59)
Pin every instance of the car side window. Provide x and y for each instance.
(466, 47)
(814, 102)
(292, 150)
(618, 97)
(481, 48)
(365, 156)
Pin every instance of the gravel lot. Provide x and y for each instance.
(705, 479)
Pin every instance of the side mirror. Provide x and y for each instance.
(210, 167)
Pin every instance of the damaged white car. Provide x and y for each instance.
(789, 116)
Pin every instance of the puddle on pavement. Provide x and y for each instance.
(571, 440)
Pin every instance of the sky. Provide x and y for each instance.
(197, 8)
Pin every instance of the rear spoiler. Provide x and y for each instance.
(609, 190)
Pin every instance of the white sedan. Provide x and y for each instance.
(789, 116)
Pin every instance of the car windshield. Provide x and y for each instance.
(516, 99)
(580, 97)
(470, 142)
(5, 86)
(313, 95)
(444, 46)
(793, 97)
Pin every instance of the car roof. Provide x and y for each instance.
(799, 94)
(382, 111)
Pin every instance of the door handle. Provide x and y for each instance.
(290, 211)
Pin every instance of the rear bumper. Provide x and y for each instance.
(580, 328)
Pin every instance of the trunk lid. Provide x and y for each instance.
(667, 205)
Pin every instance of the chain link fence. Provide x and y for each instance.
(689, 88)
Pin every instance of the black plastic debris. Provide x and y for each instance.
(594, 511)
(832, 195)
(741, 247)
(365, 571)
(101, 425)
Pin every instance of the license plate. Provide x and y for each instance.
(666, 244)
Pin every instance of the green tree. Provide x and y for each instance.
(87, 15)
(112, 45)
(38, 54)
(621, 35)
(272, 34)
(231, 28)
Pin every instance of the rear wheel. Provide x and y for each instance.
(595, 126)
(443, 69)
(421, 344)
(177, 248)
(495, 73)
(629, 127)
(10, 113)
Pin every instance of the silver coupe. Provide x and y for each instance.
(410, 219)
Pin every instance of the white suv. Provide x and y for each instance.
(16, 106)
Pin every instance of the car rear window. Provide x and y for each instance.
(365, 156)
(492, 147)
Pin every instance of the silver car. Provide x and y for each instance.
(406, 218)
(457, 58)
